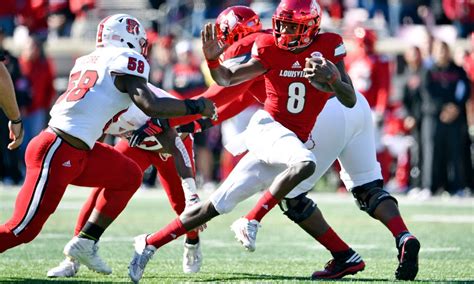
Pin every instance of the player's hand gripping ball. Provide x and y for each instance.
(320, 72)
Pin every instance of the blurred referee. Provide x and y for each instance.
(9, 106)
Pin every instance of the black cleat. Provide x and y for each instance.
(342, 264)
(408, 247)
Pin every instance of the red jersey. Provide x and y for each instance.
(291, 99)
(370, 75)
(232, 100)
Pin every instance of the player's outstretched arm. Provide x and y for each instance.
(223, 76)
(153, 106)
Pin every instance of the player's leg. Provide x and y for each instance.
(244, 181)
(70, 267)
(120, 177)
(179, 200)
(51, 165)
(304, 212)
(276, 145)
(361, 174)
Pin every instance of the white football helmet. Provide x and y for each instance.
(122, 30)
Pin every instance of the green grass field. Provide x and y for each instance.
(284, 253)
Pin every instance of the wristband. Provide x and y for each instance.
(16, 121)
(194, 106)
(213, 64)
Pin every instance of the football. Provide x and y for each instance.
(317, 81)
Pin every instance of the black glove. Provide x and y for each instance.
(195, 126)
(152, 127)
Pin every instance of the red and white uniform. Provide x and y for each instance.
(340, 133)
(144, 156)
(277, 133)
(52, 164)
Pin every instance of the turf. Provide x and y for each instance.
(284, 253)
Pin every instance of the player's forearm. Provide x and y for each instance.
(7, 95)
(344, 93)
(173, 145)
(221, 75)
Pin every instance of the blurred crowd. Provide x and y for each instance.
(421, 97)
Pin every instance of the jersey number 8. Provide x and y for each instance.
(296, 97)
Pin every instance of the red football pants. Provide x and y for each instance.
(51, 165)
(168, 175)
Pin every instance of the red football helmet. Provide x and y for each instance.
(306, 14)
(366, 39)
(236, 22)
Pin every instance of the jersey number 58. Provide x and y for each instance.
(79, 85)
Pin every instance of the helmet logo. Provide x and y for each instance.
(133, 27)
(230, 21)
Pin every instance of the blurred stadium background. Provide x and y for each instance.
(43, 38)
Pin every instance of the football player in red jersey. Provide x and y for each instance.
(102, 85)
(363, 171)
(283, 146)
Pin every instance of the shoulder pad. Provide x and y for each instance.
(130, 62)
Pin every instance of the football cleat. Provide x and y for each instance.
(85, 251)
(67, 268)
(408, 247)
(246, 232)
(347, 263)
(192, 258)
(142, 254)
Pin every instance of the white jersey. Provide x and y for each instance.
(133, 119)
(92, 101)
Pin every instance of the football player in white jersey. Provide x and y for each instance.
(102, 85)
(181, 191)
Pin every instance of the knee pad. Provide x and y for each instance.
(297, 209)
(368, 196)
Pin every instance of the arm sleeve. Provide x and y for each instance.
(130, 62)
(2, 56)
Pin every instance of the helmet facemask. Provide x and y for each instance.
(302, 37)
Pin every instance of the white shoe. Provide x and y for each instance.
(246, 232)
(192, 258)
(67, 268)
(85, 251)
(143, 253)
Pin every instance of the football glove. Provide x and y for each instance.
(195, 126)
(152, 127)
